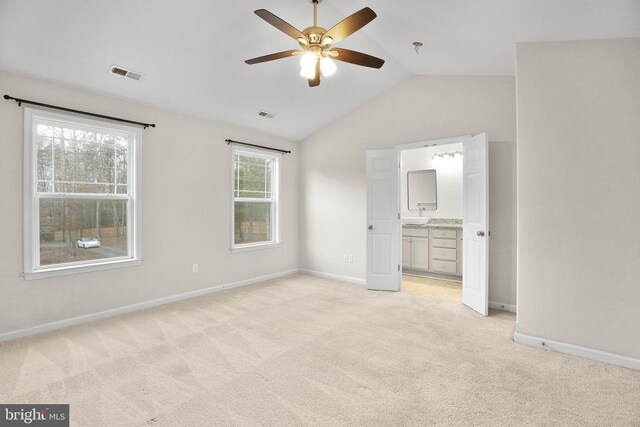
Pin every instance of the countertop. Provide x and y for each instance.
(451, 224)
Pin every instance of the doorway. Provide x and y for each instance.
(460, 249)
(431, 217)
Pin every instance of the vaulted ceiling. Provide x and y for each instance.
(191, 53)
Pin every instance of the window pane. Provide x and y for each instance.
(74, 230)
(73, 160)
(252, 177)
(44, 130)
(252, 222)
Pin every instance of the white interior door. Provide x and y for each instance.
(475, 277)
(383, 220)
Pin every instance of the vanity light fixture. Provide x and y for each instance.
(451, 154)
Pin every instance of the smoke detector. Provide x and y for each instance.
(121, 71)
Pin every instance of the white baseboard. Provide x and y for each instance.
(335, 276)
(502, 306)
(430, 275)
(576, 350)
(136, 307)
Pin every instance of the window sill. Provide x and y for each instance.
(255, 247)
(66, 271)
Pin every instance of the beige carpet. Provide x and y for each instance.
(309, 351)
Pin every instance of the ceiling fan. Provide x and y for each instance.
(317, 44)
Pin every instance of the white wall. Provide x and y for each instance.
(186, 186)
(333, 189)
(448, 178)
(579, 193)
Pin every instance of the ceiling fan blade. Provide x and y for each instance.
(357, 58)
(316, 82)
(273, 56)
(350, 25)
(280, 24)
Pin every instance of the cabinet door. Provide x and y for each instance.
(420, 253)
(459, 273)
(406, 252)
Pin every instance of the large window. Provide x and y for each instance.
(255, 198)
(81, 194)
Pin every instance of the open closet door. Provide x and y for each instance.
(383, 221)
(475, 270)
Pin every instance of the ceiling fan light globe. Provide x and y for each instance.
(308, 65)
(328, 67)
(327, 41)
(308, 60)
(308, 74)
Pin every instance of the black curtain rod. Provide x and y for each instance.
(231, 141)
(40, 104)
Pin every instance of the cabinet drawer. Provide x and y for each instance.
(415, 232)
(441, 233)
(444, 254)
(444, 243)
(449, 267)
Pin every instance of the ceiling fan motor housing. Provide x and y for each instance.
(314, 34)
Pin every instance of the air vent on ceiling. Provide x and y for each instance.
(133, 75)
(266, 114)
(120, 71)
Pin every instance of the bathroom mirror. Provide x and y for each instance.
(422, 190)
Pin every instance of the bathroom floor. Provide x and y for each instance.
(426, 286)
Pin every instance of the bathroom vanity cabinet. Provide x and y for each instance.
(432, 250)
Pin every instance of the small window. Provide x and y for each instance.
(82, 207)
(255, 198)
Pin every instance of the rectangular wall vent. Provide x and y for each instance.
(120, 71)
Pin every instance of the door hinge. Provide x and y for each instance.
(398, 215)
(398, 267)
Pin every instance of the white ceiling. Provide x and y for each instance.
(191, 52)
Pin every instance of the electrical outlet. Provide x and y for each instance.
(194, 268)
(345, 257)
(350, 258)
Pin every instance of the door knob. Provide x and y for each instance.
(370, 227)
(480, 233)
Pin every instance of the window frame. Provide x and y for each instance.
(31, 197)
(276, 212)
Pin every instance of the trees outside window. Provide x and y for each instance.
(83, 184)
(255, 198)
